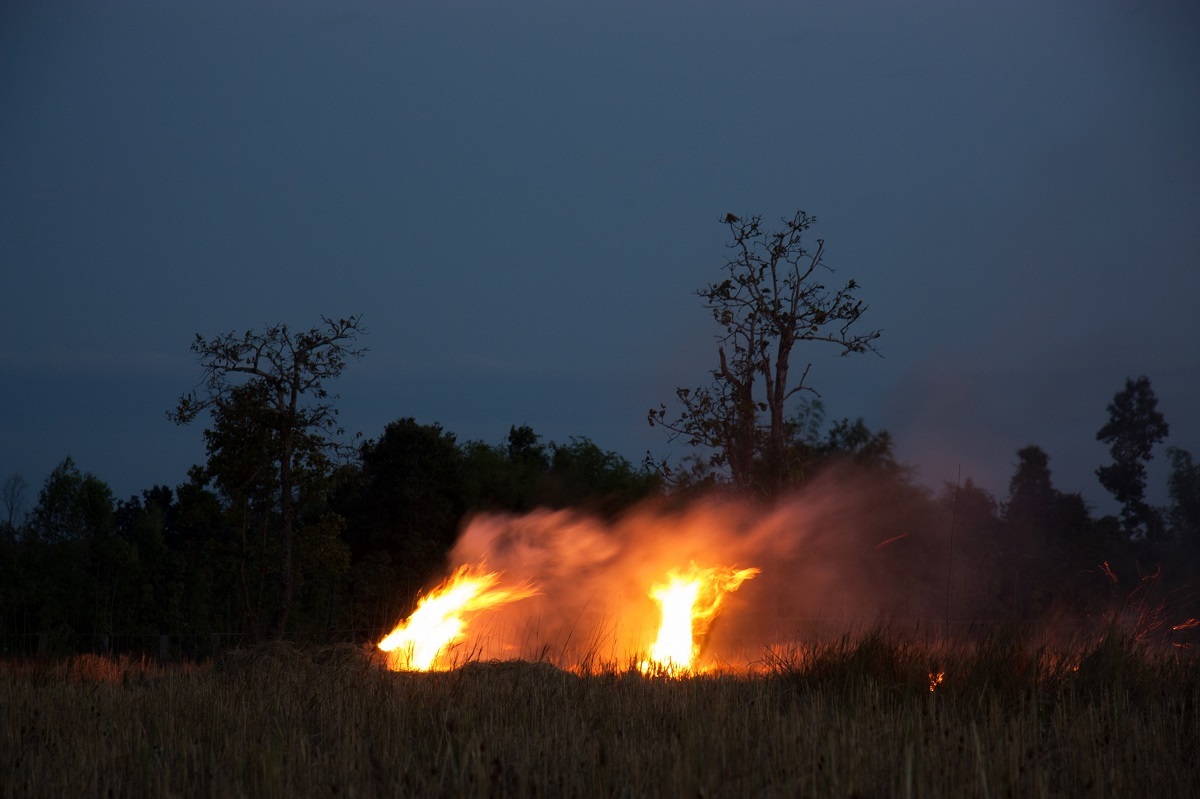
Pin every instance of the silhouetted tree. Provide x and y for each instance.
(1048, 534)
(853, 442)
(13, 497)
(581, 474)
(1183, 486)
(528, 460)
(772, 299)
(806, 445)
(207, 534)
(289, 373)
(1134, 426)
(71, 506)
(403, 510)
(488, 478)
(242, 442)
(13, 569)
(973, 534)
(522, 473)
(809, 448)
(149, 599)
(1031, 492)
(75, 561)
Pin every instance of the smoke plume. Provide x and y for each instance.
(848, 551)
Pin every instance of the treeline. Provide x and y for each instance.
(283, 531)
(84, 571)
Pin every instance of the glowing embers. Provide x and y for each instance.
(421, 642)
(690, 602)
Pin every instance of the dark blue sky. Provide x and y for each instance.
(521, 197)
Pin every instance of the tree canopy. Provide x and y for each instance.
(772, 298)
(273, 384)
(1134, 427)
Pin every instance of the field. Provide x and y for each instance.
(870, 716)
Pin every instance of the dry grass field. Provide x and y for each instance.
(871, 716)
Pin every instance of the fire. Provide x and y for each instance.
(440, 619)
(935, 679)
(689, 601)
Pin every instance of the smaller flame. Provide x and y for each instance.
(689, 601)
(935, 679)
(440, 618)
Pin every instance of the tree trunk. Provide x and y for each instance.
(739, 449)
(287, 514)
(777, 394)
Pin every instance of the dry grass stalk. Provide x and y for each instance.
(855, 718)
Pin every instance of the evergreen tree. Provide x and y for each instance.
(1134, 426)
(1049, 535)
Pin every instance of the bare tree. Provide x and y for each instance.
(291, 371)
(13, 496)
(772, 299)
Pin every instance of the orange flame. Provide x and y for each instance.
(690, 602)
(419, 642)
(935, 679)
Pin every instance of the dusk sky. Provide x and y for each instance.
(521, 199)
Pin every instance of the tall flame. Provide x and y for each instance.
(440, 619)
(690, 602)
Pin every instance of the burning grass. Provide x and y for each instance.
(864, 716)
